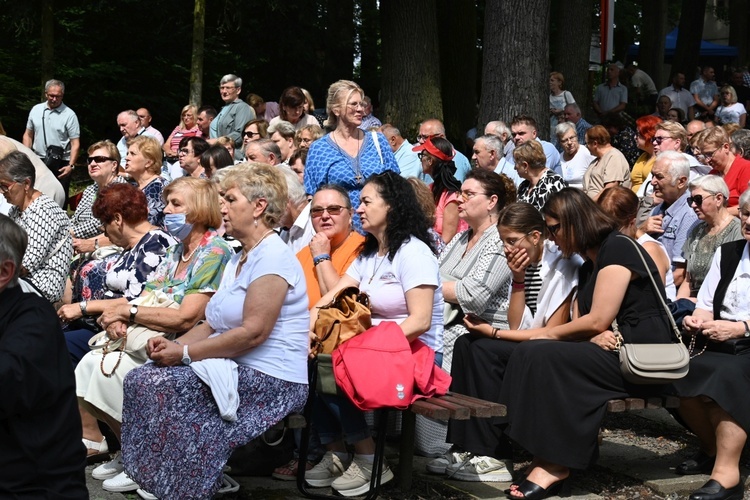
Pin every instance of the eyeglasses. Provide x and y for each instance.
(5, 188)
(698, 199)
(355, 105)
(658, 139)
(421, 154)
(227, 87)
(54, 96)
(553, 229)
(467, 195)
(250, 134)
(331, 209)
(514, 241)
(184, 151)
(421, 138)
(569, 140)
(99, 159)
(708, 155)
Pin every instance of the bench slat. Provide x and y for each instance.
(458, 411)
(492, 409)
(472, 409)
(424, 407)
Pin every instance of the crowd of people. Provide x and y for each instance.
(187, 281)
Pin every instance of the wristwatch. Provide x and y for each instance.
(133, 312)
(82, 304)
(185, 356)
(747, 329)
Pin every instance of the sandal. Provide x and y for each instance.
(288, 472)
(96, 452)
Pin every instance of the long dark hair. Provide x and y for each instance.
(405, 218)
(584, 224)
(443, 172)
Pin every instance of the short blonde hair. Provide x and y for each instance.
(338, 94)
(532, 153)
(259, 180)
(201, 200)
(150, 149)
(109, 146)
(185, 109)
(732, 93)
(714, 136)
(559, 77)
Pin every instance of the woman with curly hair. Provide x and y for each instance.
(646, 127)
(398, 269)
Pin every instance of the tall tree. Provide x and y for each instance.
(196, 63)
(571, 42)
(688, 48)
(369, 51)
(458, 65)
(48, 41)
(516, 54)
(739, 18)
(411, 65)
(653, 40)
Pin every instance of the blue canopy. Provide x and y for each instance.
(708, 49)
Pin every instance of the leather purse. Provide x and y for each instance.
(345, 317)
(649, 364)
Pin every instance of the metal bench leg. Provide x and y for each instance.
(381, 426)
(406, 450)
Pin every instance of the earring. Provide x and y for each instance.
(255, 222)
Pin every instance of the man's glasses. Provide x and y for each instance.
(331, 209)
(421, 137)
(698, 199)
(250, 134)
(99, 159)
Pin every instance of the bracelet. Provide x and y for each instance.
(96, 243)
(320, 258)
(494, 333)
(519, 282)
(83, 304)
(516, 286)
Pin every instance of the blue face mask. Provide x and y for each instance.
(177, 226)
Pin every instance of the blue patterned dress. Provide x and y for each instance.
(327, 163)
(153, 191)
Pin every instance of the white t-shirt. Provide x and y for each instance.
(387, 282)
(737, 297)
(731, 113)
(284, 353)
(573, 170)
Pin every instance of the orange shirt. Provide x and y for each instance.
(341, 258)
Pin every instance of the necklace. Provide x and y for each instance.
(190, 255)
(376, 269)
(243, 259)
(354, 161)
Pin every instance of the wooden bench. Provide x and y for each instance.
(632, 404)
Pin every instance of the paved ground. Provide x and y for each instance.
(636, 455)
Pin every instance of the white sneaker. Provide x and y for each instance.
(110, 469)
(121, 482)
(356, 479)
(326, 471)
(450, 459)
(483, 469)
(145, 495)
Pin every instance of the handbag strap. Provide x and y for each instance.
(656, 288)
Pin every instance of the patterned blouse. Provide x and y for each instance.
(700, 247)
(50, 245)
(537, 195)
(83, 223)
(203, 275)
(153, 191)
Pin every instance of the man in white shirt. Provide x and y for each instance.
(145, 117)
(130, 128)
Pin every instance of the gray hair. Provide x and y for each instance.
(574, 106)
(492, 143)
(295, 189)
(741, 142)
(745, 200)
(679, 166)
(17, 167)
(54, 83)
(230, 78)
(563, 128)
(12, 245)
(284, 128)
(340, 190)
(267, 146)
(131, 114)
(499, 128)
(711, 184)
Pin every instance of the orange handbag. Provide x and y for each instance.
(345, 317)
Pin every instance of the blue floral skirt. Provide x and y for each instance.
(175, 443)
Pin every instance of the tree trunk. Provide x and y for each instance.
(196, 64)
(338, 58)
(411, 65)
(739, 18)
(688, 47)
(369, 51)
(571, 42)
(516, 54)
(653, 40)
(457, 25)
(48, 42)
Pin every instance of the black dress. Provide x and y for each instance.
(556, 392)
(41, 453)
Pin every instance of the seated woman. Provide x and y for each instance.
(143, 165)
(575, 158)
(187, 127)
(622, 205)
(293, 110)
(538, 181)
(555, 391)
(254, 130)
(398, 269)
(257, 319)
(436, 156)
(50, 248)
(215, 158)
(307, 135)
(642, 167)
(709, 197)
(714, 400)
(610, 168)
(334, 246)
(189, 275)
(540, 297)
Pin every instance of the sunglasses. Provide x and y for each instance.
(99, 159)
(698, 199)
(250, 134)
(553, 229)
(331, 209)
(659, 140)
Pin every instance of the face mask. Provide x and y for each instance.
(177, 226)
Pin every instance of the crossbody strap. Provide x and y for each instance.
(656, 289)
(44, 131)
(377, 146)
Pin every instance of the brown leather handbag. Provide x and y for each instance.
(345, 317)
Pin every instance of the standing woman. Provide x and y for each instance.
(576, 157)
(730, 110)
(292, 109)
(558, 99)
(646, 127)
(436, 155)
(50, 247)
(556, 388)
(347, 156)
(539, 182)
(143, 164)
(187, 127)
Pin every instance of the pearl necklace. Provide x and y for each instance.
(190, 255)
(243, 259)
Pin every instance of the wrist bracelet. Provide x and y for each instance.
(516, 286)
(519, 282)
(494, 333)
(320, 258)
(96, 243)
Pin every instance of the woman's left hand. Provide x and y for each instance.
(606, 340)
(83, 246)
(69, 312)
(165, 352)
(721, 330)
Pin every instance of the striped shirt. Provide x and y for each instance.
(533, 283)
